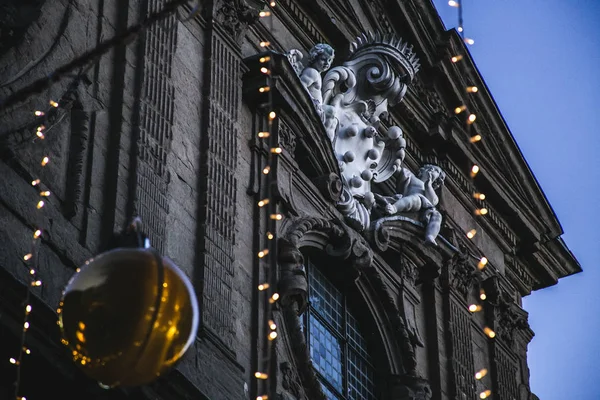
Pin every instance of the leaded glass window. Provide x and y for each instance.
(337, 347)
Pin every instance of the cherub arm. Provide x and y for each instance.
(309, 77)
(403, 179)
(430, 192)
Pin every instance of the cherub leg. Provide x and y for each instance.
(405, 204)
(434, 224)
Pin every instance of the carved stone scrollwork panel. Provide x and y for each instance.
(235, 16)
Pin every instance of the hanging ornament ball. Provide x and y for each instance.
(127, 316)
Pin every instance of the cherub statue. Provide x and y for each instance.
(319, 60)
(416, 193)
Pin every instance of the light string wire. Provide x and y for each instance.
(31, 259)
(470, 119)
(266, 374)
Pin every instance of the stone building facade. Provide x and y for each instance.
(165, 125)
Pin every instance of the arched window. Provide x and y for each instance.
(337, 347)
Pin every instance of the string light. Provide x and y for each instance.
(266, 170)
(263, 60)
(276, 150)
(474, 308)
(272, 115)
(456, 59)
(39, 113)
(482, 294)
(481, 374)
(265, 44)
(263, 286)
(45, 161)
(277, 217)
(471, 234)
(263, 397)
(37, 234)
(264, 89)
(40, 134)
(27, 257)
(53, 103)
(28, 309)
(471, 119)
(481, 211)
(482, 263)
(472, 89)
(272, 325)
(453, 3)
(469, 41)
(272, 335)
(260, 375)
(263, 253)
(263, 14)
(272, 4)
(265, 70)
(460, 109)
(263, 202)
(35, 182)
(263, 135)
(270, 236)
(475, 138)
(474, 171)
(485, 395)
(45, 193)
(40, 204)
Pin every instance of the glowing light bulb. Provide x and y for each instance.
(474, 170)
(40, 134)
(453, 3)
(485, 395)
(270, 236)
(265, 70)
(472, 89)
(472, 118)
(45, 161)
(457, 58)
(263, 14)
(274, 298)
(36, 283)
(264, 89)
(272, 335)
(28, 309)
(45, 193)
(265, 44)
(27, 351)
(39, 113)
(263, 60)
(475, 138)
(469, 41)
(27, 256)
(482, 263)
(481, 211)
(479, 196)
(482, 295)
(277, 217)
(276, 150)
(40, 204)
(53, 103)
(263, 135)
(32, 271)
(266, 170)
(26, 325)
(263, 202)
(35, 182)
(272, 115)
(263, 286)
(263, 397)
(481, 374)
(263, 253)
(474, 308)
(272, 325)
(37, 234)
(471, 234)
(460, 28)
(261, 375)
(12, 360)
(460, 109)
(272, 4)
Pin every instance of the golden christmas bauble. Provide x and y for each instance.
(127, 316)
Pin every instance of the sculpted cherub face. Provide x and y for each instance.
(320, 57)
(433, 173)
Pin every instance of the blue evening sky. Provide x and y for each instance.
(541, 62)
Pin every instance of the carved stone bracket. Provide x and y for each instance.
(409, 387)
(460, 272)
(235, 16)
(507, 317)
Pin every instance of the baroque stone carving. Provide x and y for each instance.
(340, 242)
(290, 382)
(409, 387)
(416, 193)
(461, 273)
(235, 16)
